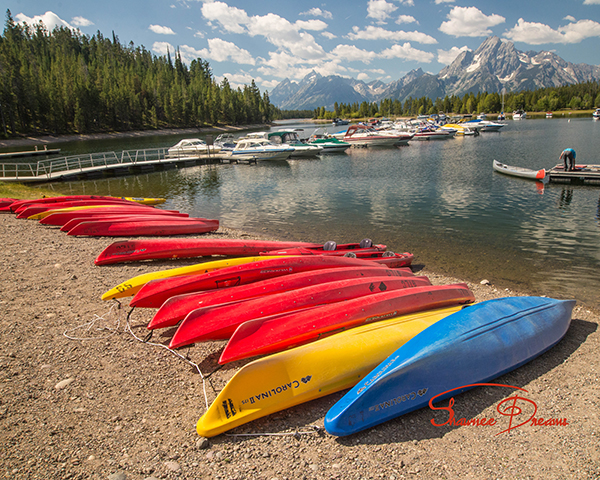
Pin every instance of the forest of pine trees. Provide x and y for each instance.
(66, 82)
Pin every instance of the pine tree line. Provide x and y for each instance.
(66, 82)
(580, 96)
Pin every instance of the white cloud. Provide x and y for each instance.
(232, 19)
(81, 22)
(447, 56)
(240, 79)
(161, 48)
(378, 33)
(317, 25)
(353, 54)
(407, 52)
(199, 34)
(362, 76)
(329, 35)
(591, 2)
(438, 2)
(538, 33)
(408, 3)
(317, 12)
(406, 19)
(161, 30)
(218, 50)
(469, 22)
(49, 19)
(380, 10)
(570, 18)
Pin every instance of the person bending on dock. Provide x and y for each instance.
(568, 157)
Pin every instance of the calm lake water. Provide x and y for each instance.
(440, 200)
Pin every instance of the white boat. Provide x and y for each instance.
(363, 135)
(460, 129)
(190, 147)
(430, 132)
(548, 114)
(596, 114)
(289, 139)
(519, 115)
(329, 143)
(519, 171)
(482, 116)
(254, 149)
(485, 125)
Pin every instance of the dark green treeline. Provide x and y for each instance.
(65, 82)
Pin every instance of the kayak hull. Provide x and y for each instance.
(154, 294)
(267, 335)
(219, 322)
(150, 227)
(176, 308)
(472, 346)
(280, 381)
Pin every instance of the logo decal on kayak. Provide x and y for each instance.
(230, 282)
(407, 397)
(276, 391)
(228, 408)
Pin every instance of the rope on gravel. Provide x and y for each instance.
(177, 354)
(89, 325)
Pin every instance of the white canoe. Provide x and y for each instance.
(519, 171)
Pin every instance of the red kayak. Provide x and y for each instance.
(269, 335)
(28, 210)
(176, 308)
(67, 227)
(219, 322)
(60, 218)
(156, 292)
(374, 251)
(136, 250)
(5, 204)
(394, 260)
(150, 227)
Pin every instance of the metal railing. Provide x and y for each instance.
(52, 168)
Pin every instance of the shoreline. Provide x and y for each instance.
(110, 404)
(52, 139)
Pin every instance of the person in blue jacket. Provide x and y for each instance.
(568, 157)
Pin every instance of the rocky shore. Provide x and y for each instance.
(82, 398)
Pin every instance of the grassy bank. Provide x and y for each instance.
(21, 191)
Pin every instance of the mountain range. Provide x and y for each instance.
(496, 64)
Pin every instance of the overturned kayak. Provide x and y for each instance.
(280, 381)
(133, 285)
(519, 171)
(60, 218)
(176, 308)
(161, 226)
(273, 334)
(67, 198)
(219, 322)
(154, 294)
(472, 346)
(169, 248)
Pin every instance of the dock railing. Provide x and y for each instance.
(56, 167)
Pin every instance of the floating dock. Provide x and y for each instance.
(105, 164)
(583, 174)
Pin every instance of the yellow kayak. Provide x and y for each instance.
(285, 379)
(145, 201)
(133, 285)
(39, 216)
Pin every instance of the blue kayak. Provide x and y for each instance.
(475, 345)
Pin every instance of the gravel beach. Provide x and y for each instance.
(82, 398)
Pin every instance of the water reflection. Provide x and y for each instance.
(440, 200)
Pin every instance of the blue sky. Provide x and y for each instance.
(365, 39)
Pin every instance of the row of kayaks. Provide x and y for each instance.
(92, 215)
(321, 322)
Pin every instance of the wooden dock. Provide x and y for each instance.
(584, 174)
(105, 164)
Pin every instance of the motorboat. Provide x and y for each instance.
(329, 143)
(519, 115)
(501, 116)
(339, 122)
(482, 116)
(254, 149)
(484, 125)
(548, 114)
(286, 138)
(460, 129)
(363, 135)
(596, 114)
(430, 132)
(226, 141)
(191, 147)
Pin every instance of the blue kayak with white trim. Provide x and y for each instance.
(475, 345)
